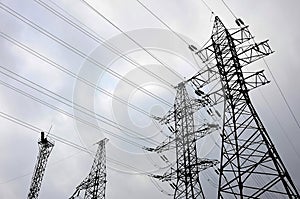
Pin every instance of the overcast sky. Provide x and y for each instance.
(49, 43)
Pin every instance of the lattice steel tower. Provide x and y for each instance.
(45, 148)
(180, 121)
(93, 186)
(250, 165)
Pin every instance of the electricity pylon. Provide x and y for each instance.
(180, 121)
(250, 165)
(93, 186)
(45, 148)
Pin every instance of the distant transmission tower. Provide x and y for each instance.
(45, 148)
(93, 186)
(180, 121)
(250, 166)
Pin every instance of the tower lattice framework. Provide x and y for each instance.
(250, 165)
(45, 148)
(94, 185)
(180, 121)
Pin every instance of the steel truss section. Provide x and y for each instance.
(45, 148)
(180, 121)
(250, 165)
(94, 185)
(188, 183)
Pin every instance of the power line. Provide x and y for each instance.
(228, 8)
(19, 122)
(280, 125)
(71, 105)
(49, 165)
(282, 95)
(161, 21)
(39, 27)
(131, 39)
(78, 52)
(158, 187)
(207, 6)
(16, 178)
(100, 40)
(70, 115)
(165, 24)
(171, 29)
(70, 73)
(59, 67)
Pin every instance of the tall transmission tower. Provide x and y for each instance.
(250, 165)
(45, 148)
(93, 186)
(180, 121)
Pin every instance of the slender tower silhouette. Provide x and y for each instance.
(250, 166)
(93, 186)
(45, 148)
(180, 121)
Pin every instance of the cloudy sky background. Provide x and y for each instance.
(274, 20)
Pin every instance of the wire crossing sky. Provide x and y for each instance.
(95, 69)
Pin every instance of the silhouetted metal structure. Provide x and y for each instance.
(180, 121)
(45, 148)
(93, 186)
(250, 166)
